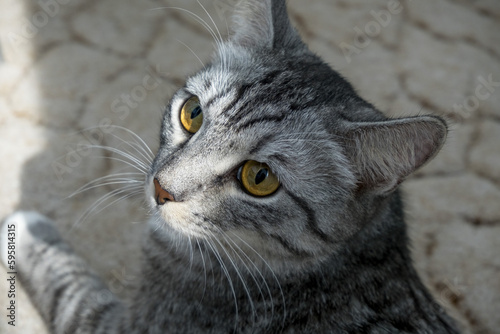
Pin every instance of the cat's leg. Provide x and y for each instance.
(67, 294)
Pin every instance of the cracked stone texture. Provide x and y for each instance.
(73, 74)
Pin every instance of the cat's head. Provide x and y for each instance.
(270, 149)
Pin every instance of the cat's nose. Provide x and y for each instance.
(161, 195)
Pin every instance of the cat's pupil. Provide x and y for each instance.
(195, 112)
(261, 175)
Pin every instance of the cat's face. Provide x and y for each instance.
(269, 149)
(261, 110)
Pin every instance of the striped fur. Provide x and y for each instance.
(326, 253)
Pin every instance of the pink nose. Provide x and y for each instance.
(161, 195)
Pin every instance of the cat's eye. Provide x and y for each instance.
(258, 179)
(192, 115)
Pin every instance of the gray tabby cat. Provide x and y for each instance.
(275, 207)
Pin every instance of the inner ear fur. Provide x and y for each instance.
(384, 153)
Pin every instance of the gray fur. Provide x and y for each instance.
(326, 253)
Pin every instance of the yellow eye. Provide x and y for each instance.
(258, 179)
(192, 115)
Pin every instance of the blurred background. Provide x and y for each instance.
(75, 74)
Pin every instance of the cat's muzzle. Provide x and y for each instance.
(161, 195)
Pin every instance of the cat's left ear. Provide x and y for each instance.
(384, 153)
(264, 23)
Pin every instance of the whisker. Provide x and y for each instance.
(240, 276)
(141, 141)
(226, 238)
(201, 62)
(270, 270)
(123, 181)
(141, 144)
(211, 19)
(204, 269)
(211, 265)
(136, 146)
(143, 170)
(226, 273)
(159, 222)
(309, 134)
(102, 199)
(198, 19)
(110, 179)
(191, 255)
(123, 154)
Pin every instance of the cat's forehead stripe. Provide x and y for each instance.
(254, 121)
(214, 98)
(224, 86)
(229, 109)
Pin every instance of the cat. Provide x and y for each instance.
(275, 207)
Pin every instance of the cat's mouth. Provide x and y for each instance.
(172, 213)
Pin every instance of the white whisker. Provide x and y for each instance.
(110, 183)
(138, 168)
(112, 177)
(123, 154)
(141, 141)
(240, 276)
(204, 269)
(270, 270)
(226, 273)
(201, 62)
(191, 253)
(198, 19)
(102, 199)
(229, 241)
(136, 146)
(141, 144)
(211, 19)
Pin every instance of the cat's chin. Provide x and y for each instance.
(241, 248)
(176, 221)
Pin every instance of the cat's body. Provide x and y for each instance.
(320, 248)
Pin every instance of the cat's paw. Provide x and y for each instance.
(21, 229)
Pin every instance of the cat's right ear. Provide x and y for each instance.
(384, 153)
(264, 24)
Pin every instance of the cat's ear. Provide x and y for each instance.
(264, 23)
(384, 153)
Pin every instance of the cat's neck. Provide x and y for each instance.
(382, 242)
(373, 268)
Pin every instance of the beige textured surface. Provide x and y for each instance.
(72, 64)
